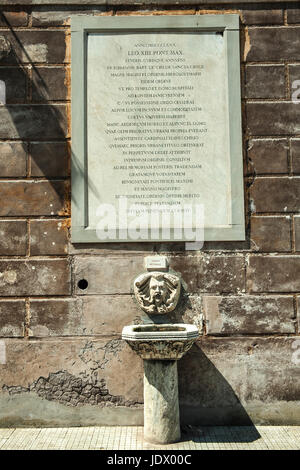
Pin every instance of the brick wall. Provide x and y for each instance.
(61, 357)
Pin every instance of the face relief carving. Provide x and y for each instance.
(156, 292)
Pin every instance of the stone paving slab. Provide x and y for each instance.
(131, 438)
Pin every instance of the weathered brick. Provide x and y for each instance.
(220, 368)
(188, 310)
(294, 79)
(154, 3)
(48, 237)
(15, 80)
(248, 315)
(5, 51)
(211, 273)
(13, 237)
(297, 232)
(272, 118)
(49, 83)
(12, 318)
(84, 316)
(262, 17)
(52, 18)
(13, 159)
(297, 348)
(270, 234)
(33, 122)
(268, 156)
(275, 194)
(226, 246)
(107, 275)
(49, 159)
(156, 12)
(32, 198)
(295, 155)
(100, 315)
(268, 44)
(200, 274)
(265, 81)
(294, 74)
(240, 381)
(293, 15)
(36, 46)
(34, 277)
(110, 249)
(55, 317)
(81, 366)
(13, 18)
(62, 17)
(273, 274)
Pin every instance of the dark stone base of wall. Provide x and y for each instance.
(32, 411)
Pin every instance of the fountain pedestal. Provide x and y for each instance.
(160, 346)
(161, 408)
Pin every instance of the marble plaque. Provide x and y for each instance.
(156, 263)
(159, 134)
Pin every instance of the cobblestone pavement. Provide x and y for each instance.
(131, 438)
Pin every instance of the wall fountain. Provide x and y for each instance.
(160, 345)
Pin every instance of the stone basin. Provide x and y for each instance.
(164, 342)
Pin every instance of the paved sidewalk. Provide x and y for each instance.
(131, 438)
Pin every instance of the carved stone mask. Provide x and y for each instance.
(157, 292)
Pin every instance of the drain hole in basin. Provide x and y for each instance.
(82, 284)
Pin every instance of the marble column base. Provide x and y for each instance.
(161, 407)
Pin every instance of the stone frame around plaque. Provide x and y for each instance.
(81, 26)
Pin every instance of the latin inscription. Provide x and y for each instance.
(157, 122)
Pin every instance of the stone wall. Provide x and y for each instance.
(62, 360)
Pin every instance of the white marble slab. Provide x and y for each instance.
(157, 120)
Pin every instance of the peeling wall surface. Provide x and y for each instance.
(62, 359)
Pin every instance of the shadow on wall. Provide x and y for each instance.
(38, 127)
(36, 111)
(212, 401)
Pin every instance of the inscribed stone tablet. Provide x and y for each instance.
(158, 133)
